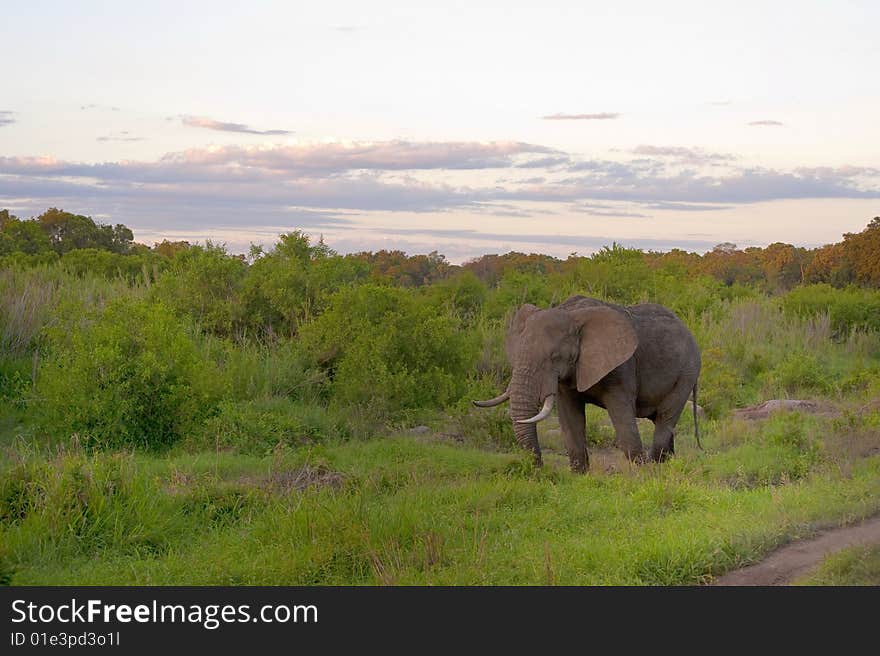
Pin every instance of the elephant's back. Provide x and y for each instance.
(579, 302)
(665, 342)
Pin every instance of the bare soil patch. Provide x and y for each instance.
(791, 562)
(767, 408)
(299, 479)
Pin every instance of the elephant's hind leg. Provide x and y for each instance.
(666, 419)
(663, 445)
(572, 423)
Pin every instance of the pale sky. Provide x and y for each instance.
(465, 127)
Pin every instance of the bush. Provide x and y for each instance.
(204, 284)
(461, 296)
(800, 372)
(15, 381)
(292, 283)
(387, 348)
(848, 309)
(719, 386)
(133, 377)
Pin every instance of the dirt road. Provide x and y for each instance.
(791, 562)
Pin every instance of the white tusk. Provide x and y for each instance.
(491, 403)
(545, 412)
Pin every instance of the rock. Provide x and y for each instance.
(418, 430)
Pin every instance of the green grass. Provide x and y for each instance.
(229, 501)
(406, 510)
(854, 566)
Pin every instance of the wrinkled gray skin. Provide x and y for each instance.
(639, 361)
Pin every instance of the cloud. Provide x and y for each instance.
(601, 116)
(644, 183)
(6, 118)
(119, 136)
(395, 155)
(685, 207)
(254, 185)
(606, 209)
(683, 154)
(766, 123)
(211, 124)
(544, 162)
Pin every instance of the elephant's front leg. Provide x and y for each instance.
(572, 422)
(623, 416)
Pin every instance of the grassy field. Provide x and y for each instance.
(419, 510)
(225, 422)
(854, 566)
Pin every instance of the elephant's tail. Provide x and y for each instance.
(696, 426)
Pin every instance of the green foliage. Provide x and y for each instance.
(23, 237)
(204, 283)
(105, 263)
(461, 296)
(785, 448)
(293, 283)
(255, 370)
(518, 288)
(132, 377)
(618, 274)
(15, 380)
(859, 565)
(482, 427)
(801, 372)
(382, 346)
(409, 512)
(68, 231)
(849, 309)
(260, 427)
(266, 370)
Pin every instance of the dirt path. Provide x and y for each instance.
(789, 563)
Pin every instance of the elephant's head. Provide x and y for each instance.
(545, 347)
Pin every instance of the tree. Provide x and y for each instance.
(68, 231)
(862, 252)
(24, 237)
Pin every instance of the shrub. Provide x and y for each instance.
(848, 308)
(719, 385)
(204, 284)
(461, 296)
(292, 283)
(134, 377)
(15, 380)
(383, 346)
(801, 372)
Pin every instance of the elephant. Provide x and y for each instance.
(636, 361)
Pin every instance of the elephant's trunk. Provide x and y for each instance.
(524, 404)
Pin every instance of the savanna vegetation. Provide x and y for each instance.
(182, 415)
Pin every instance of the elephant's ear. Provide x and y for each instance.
(607, 340)
(517, 325)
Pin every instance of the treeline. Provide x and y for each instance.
(778, 267)
(57, 235)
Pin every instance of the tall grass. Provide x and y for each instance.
(32, 299)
